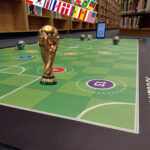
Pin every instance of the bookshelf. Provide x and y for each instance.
(18, 18)
(109, 12)
(135, 16)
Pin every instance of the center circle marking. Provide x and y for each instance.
(100, 84)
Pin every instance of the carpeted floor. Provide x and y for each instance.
(9, 40)
(6, 147)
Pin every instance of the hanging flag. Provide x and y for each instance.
(78, 1)
(62, 8)
(92, 5)
(30, 1)
(76, 12)
(72, 10)
(82, 14)
(66, 9)
(46, 4)
(39, 3)
(52, 5)
(85, 3)
(57, 6)
(91, 16)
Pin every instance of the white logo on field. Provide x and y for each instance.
(55, 69)
(100, 84)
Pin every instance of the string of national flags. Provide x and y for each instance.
(89, 4)
(66, 9)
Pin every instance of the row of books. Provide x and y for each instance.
(34, 10)
(144, 5)
(109, 14)
(135, 5)
(131, 22)
(111, 3)
(56, 15)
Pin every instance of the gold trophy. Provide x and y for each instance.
(48, 39)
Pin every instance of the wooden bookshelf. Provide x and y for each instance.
(109, 12)
(60, 23)
(75, 24)
(140, 24)
(13, 18)
(17, 19)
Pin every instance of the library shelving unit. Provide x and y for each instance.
(17, 19)
(35, 22)
(13, 19)
(62, 24)
(135, 18)
(109, 12)
(75, 24)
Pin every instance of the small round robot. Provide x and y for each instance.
(82, 37)
(20, 45)
(90, 37)
(116, 40)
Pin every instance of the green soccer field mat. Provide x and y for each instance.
(97, 82)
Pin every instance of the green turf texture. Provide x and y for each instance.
(71, 96)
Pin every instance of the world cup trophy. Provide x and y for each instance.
(48, 39)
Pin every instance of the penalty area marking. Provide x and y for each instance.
(100, 105)
(20, 74)
(22, 63)
(105, 104)
(15, 66)
(6, 68)
(19, 88)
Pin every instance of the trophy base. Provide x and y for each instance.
(48, 80)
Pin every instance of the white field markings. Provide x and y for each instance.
(136, 131)
(100, 105)
(18, 65)
(29, 61)
(137, 115)
(105, 125)
(70, 118)
(14, 66)
(136, 122)
(19, 88)
(7, 67)
(20, 73)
